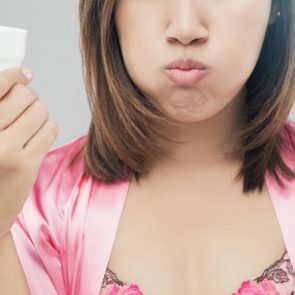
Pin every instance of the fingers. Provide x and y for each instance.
(41, 142)
(10, 77)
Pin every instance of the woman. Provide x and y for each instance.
(178, 186)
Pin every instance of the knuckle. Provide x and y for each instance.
(29, 92)
(4, 83)
(42, 107)
(18, 87)
(53, 126)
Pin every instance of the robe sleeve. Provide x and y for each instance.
(38, 228)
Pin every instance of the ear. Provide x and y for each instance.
(273, 14)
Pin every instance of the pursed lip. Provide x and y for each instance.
(186, 64)
(185, 78)
(186, 73)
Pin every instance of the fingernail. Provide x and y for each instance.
(27, 73)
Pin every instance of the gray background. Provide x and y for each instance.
(54, 57)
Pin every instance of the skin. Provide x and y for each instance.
(188, 219)
(226, 36)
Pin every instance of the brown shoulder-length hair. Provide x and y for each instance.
(124, 134)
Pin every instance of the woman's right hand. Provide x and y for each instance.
(26, 135)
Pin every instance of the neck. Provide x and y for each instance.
(206, 143)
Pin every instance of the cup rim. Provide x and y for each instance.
(12, 29)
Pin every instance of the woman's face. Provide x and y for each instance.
(224, 35)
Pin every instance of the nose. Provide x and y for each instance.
(185, 24)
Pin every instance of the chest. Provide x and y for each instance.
(196, 246)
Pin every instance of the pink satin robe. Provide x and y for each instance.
(66, 229)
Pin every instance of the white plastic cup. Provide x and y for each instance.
(12, 47)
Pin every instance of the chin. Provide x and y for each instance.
(186, 113)
(187, 117)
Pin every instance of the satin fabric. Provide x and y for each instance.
(66, 229)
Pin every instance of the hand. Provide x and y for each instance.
(26, 135)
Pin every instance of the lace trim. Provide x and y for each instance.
(279, 272)
(110, 278)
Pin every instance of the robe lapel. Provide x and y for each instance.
(91, 221)
(106, 205)
(283, 202)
